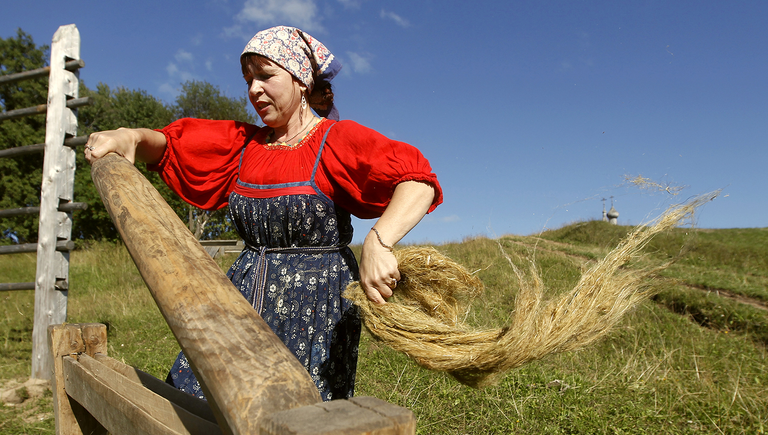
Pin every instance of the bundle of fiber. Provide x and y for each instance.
(434, 295)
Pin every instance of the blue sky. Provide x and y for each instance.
(530, 112)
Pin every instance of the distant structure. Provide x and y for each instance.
(612, 215)
(605, 217)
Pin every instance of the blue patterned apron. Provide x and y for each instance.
(295, 266)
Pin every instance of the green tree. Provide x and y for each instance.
(112, 108)
(200, 99)
(20, 177)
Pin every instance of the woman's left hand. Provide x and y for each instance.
(378, 270)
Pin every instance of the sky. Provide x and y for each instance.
(530, 112)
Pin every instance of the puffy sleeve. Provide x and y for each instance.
(363, 167)
(201, 159)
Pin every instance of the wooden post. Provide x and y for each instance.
(51, 282)
(65, 340)
(245, 370)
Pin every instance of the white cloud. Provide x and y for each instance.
(183, 56)
(451, 218)
(360, 63)
(266, 13)
(400, 21)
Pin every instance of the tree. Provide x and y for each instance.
(199, 99)
(20, 177)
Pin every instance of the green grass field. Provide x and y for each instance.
(693, 359)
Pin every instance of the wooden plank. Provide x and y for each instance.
(362, 415)
(404, 419)
(161, 409)
(245, 370)
(184, 400)
(57, 183)
(116, 413)
(71, 418)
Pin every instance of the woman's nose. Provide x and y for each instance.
(254, 88)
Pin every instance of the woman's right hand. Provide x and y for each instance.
(132, 143)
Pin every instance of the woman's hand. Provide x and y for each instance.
(378, 270)
(132, 143)
(378, 266)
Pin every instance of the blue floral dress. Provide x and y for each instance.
(295, 266)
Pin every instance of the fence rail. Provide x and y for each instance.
(68, 207)
(43, 108)
(39, 148)
(72, 66)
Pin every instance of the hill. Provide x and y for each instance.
(691, 360)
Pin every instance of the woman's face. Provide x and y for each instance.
(273, 91)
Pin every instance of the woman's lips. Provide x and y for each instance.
(261, 107)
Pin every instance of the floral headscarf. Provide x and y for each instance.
(300, 54)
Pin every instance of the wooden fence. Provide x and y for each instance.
(56, 205)
(253, 383)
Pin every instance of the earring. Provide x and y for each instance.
(303, 108)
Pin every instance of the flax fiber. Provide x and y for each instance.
(425, 320)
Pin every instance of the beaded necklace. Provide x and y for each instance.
(285, 145)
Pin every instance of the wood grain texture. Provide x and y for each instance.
(357, 416)
(57, 185)
(159, 408)
(118, 414)
(71, 418)
(184, 400)
(245, 370)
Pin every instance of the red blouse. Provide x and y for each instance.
(358, 170)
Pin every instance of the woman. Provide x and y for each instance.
(290, 187)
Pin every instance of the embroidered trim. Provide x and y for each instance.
(284, 146)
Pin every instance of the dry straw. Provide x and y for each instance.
(433, 297)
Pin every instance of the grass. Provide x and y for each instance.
(688, 361)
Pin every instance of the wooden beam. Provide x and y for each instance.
(159, 408)
(245, 370)
(184, 400)
(116, 413)
(357, 416)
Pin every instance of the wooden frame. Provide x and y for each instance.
(252, 381)
(95, 394)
